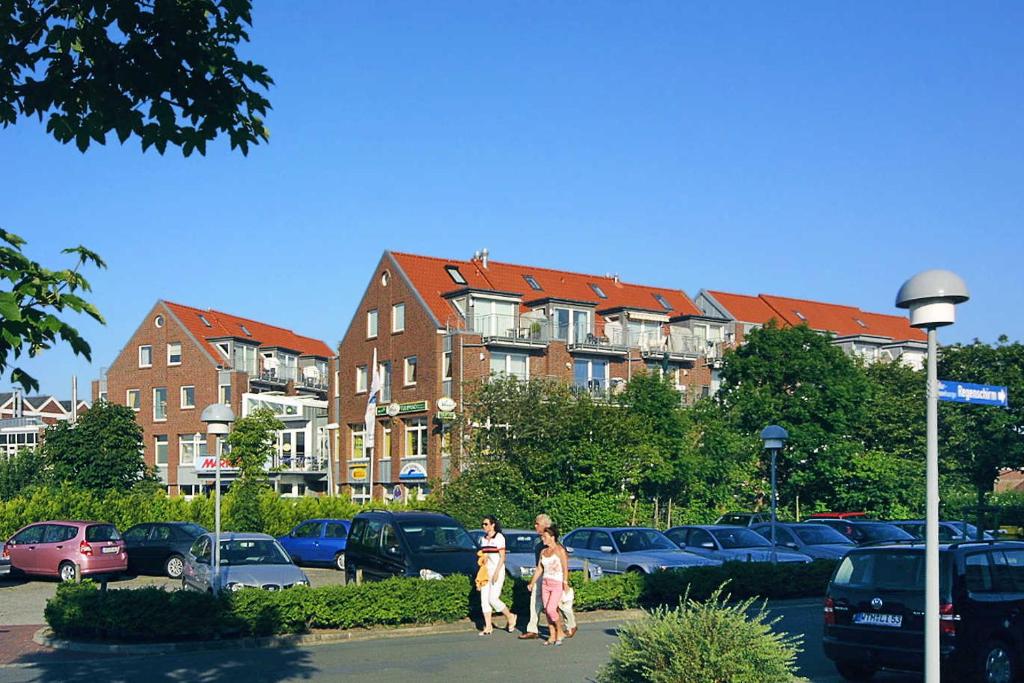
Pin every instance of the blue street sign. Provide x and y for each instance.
(981, 394)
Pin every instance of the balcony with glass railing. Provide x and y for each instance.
(289, 463)
(512, 331)
(613, 342)
(679, 347)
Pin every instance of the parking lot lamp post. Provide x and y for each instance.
(218, 418)
(931, 297)
(774, 438)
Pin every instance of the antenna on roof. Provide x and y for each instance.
(476, 255)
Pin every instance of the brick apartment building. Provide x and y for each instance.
(181, 359)
(874, 337)
(438, 323)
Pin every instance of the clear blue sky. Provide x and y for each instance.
(817, 150)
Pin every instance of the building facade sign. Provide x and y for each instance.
(403, 408)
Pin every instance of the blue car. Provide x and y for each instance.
(618, 550)
(318, 542)
(817, 540)
(730, 544)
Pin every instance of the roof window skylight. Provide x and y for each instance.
(801, 316)
(455, 275)
(246, 330)
(598, 290)
(860, 322)
(205, 321)
(661, 300)
(530, 280)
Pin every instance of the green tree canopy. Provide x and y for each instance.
(103, 450)
(166, 72)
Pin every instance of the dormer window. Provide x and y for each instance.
(661, 300)
(530, 280)
(598, 290)
(455, 275)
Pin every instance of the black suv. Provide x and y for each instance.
(424, 544)
(874, 611)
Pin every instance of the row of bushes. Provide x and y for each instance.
(82, 611)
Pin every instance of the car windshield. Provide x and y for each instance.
(889, 569)
(740, 538)
(436, 537)
(521, 542)
(873, 533)
(636, 540)
(192, 530)
(102, 532)
(252, 551)
(817, 534)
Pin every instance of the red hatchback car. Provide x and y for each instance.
(55, 548)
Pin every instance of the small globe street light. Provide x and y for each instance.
(774, 438)
(932, 297)
(218, 418)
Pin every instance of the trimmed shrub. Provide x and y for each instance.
(699, 642)
(745, 579)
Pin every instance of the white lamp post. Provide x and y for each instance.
(218, 418)
(774, 438)
(931, 297)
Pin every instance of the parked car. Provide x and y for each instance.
(862, 532)
(318, 542)
(5, 563)
(730, 544)
(948, 531)
(247, 560)
(55, 548)
(875, 603)
(817, 541)
(429, 545)
(743, 518)
(160, 547)
(521, 554)
(618, 550)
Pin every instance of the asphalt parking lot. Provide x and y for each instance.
(22, 600)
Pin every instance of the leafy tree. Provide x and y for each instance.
(251, 443)
(31, 297)
(166, 72)
(980, 440)
(796, 378)
(20, 472)
(103, 450)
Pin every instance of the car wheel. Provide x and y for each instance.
(174, 567)
(635, 570)
(996, 663)
(66, 572)
(855, 672)
(339, 561)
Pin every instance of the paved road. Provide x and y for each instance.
(442, 658)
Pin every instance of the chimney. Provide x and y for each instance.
(19, 406)
(616, 278)
(483, 257)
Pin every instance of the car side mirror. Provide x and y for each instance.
(606, 549)
(569, 550)
(791, 544)
(393, 550)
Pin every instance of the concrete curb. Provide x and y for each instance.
(45, 637)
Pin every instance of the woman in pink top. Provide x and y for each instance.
(554, 567)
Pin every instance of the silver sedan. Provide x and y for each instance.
(247, 560)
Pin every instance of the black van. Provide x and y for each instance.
(425, 544)
(874, 611)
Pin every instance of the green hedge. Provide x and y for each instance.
(153, 614)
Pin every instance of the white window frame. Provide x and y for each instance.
(366, 451)
(196, 442)
(407, 367)
(224, 393)
(372, 315)
(150, 349)
(170, 345)
(416, 430)
(590, 372)
(156, 450)
(487, 314)
(157, 403)
(362, 379)
(186, 405)
(395, 310)
(507, 372)
(128, 399)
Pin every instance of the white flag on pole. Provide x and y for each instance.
(370, 418)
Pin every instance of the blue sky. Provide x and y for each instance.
(816, 150)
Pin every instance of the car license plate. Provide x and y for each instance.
(872, 619)
(110, 549)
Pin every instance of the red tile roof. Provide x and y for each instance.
(429, 277)
(843, 321)
(227, 325)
